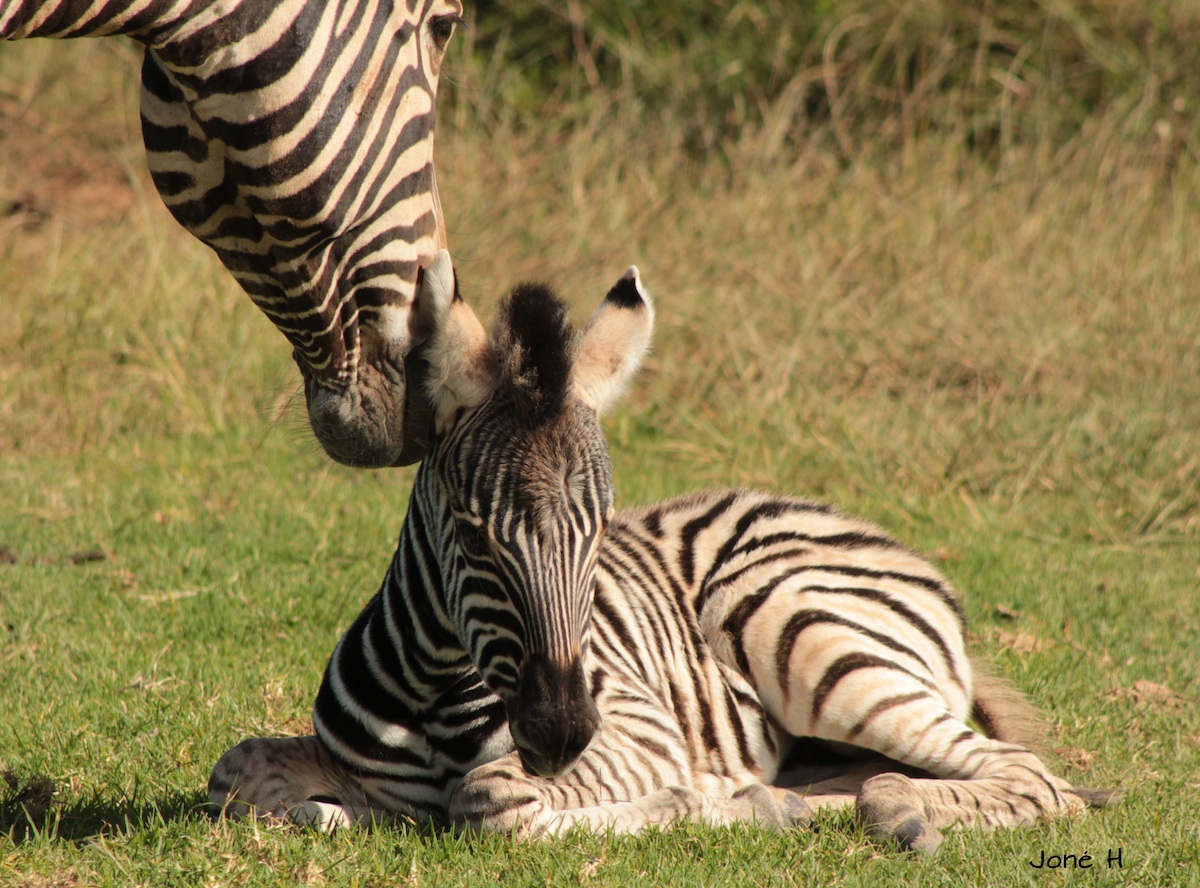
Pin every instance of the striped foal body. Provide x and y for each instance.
(295, 138)
(534, 662)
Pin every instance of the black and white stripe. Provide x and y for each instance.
(532, 664)
(295, 138)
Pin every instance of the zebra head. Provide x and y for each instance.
(295, 138)
(524, 471)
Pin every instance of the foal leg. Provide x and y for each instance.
(903, 695)
(979, 781)
(293, 778)
(631, 777)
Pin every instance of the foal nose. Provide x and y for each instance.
(553, 717)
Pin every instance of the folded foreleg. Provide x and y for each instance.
(293, 778)
(634, 775)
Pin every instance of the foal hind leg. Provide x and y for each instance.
(292, 778)
(979, 782)
(903, 694)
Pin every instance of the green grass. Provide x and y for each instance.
(995, 353)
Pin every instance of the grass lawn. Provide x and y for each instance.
(996, 358)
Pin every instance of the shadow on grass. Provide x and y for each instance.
(28, 812)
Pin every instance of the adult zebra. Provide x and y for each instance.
(533, 662)
(295, 138)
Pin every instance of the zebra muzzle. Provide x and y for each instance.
(553, 717)
(381, 419)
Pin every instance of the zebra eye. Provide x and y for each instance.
(441, 29)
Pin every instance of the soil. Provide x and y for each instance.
(58, 170)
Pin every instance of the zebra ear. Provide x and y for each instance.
(614, 343)
(461, 366)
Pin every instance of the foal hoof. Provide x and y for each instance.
(915, 834)
(890, 807)
(776, 807)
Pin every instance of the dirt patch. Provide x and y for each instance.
(1149, 694)
(54, 171)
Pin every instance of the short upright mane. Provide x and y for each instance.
(534, 344)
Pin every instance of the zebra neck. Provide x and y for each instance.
(414, 597)
(153, 22)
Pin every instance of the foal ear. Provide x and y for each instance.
(614, 343)
(462, 370)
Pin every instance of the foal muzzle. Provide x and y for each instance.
(553, 717)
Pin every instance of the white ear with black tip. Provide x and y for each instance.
(614, 343)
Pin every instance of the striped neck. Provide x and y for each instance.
(415, 598)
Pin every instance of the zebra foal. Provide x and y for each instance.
(535, 662)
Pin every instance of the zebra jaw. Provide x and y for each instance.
(380, 419)
(383, 418)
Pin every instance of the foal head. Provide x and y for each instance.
(523, 466)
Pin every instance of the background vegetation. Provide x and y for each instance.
(933, 262)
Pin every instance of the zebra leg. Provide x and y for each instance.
(503, 797)
(903, 694)
(292, 778)
(980, 782)
(617, 785)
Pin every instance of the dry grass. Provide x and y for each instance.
(116, 319)
(923, 324)
(926, 323)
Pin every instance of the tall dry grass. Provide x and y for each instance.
(860, 296)
(987, 74)
(119, 327)
(880, 304)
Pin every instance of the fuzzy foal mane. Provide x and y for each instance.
(534, 344)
